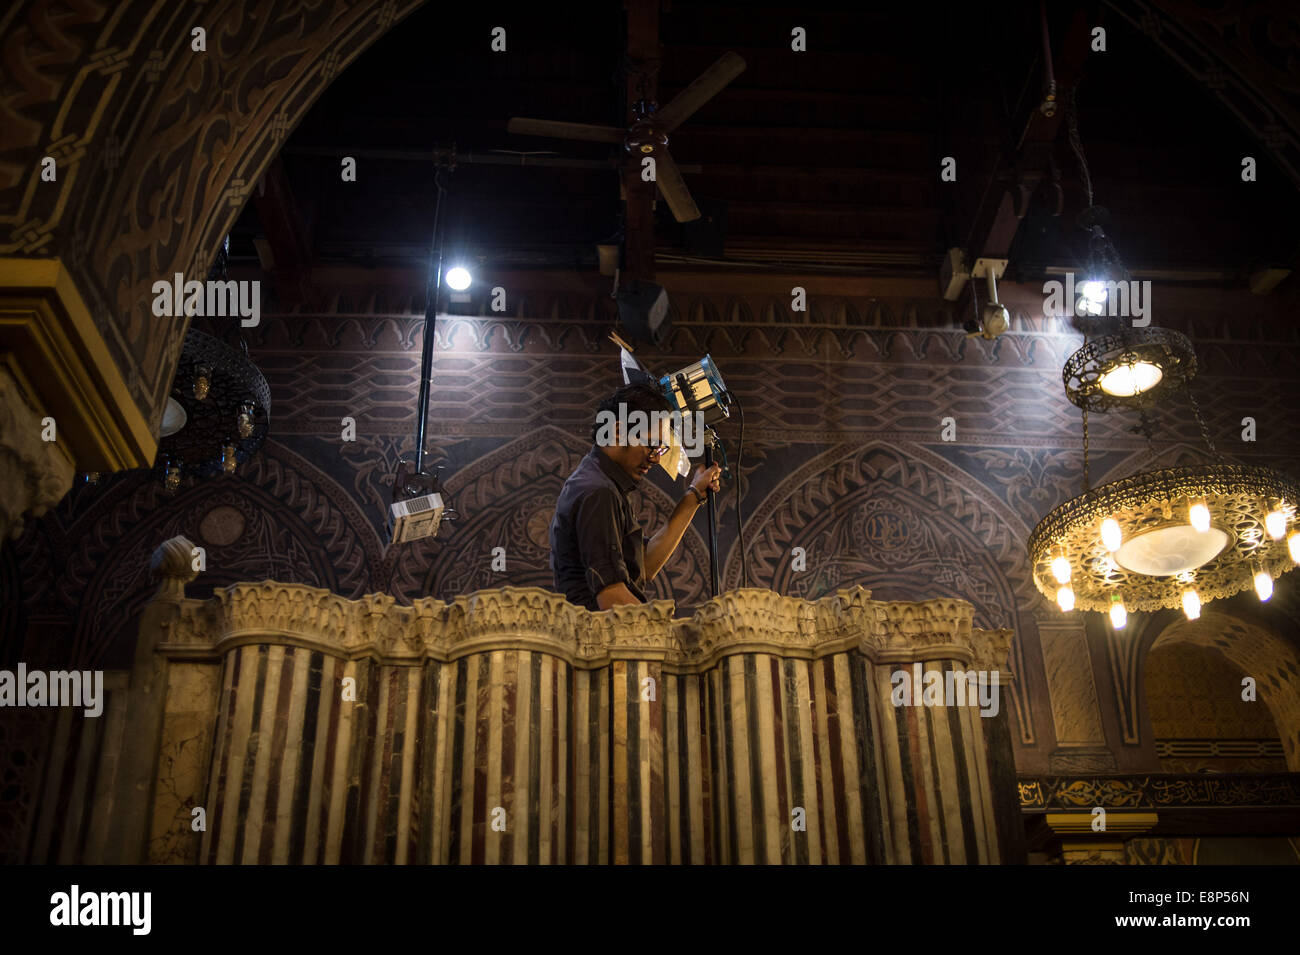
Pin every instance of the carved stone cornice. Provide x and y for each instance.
(750, 620)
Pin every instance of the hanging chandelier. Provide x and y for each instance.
(1166, 537)
(217, 414)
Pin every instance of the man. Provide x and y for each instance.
(599, 555)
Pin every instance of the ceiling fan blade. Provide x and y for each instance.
(670, 182)
(548, 127)
(705, 86)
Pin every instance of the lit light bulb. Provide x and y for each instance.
(1111, 535)
(1199, 515)
(1293, 546)
(1275, 524)
(458, 279)
(1118, 615)
(1263, 585)
(202, 382)
(1092, 298)
(1125, 381)
(1065, 599)
(1093, 290)
(1191, 604)
(229, 461)
(1061, 570)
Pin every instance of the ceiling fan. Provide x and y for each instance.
(648, 134)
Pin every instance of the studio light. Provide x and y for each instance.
(458, 278)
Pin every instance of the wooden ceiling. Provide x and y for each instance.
(826, 159)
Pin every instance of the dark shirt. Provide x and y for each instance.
(596, 539)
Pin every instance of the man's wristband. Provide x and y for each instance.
(699, 498)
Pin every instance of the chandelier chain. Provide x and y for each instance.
(1200, 420)
(1087, 481)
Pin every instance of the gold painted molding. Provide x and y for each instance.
(51, 336)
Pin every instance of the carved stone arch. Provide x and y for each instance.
(1255, 650)
(506, 499)
(932, 523)
(288, 522)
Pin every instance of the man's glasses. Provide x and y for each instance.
(657, 451)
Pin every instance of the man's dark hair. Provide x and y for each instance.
(642, 398)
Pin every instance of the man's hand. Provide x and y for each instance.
(615, 595)
(706, 479)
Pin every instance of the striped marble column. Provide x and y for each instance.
(512, 727)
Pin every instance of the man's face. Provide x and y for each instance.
(638, 459)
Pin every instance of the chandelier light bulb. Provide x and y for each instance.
(1263, 585)
(1293, 546)
(244, 422)
(1111, 535)
(1061, 570)
(1065, 599)
(229, 461)
(1191, 604)
(1199, 515)
(1118, 615)
(1126, 381)
(1275, 524)
(172, 480)
(202, 382)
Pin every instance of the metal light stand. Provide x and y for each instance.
(688, 395)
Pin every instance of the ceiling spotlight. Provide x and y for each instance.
(1092, 297)
(458, 278)
(994, 319)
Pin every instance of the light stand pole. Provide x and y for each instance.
(713, 524)
(432, 294)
